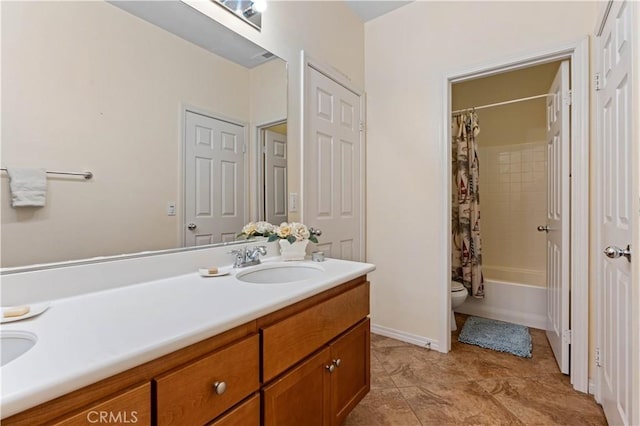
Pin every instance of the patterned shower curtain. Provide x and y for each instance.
(466, 257)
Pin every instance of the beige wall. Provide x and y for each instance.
(267, 88)
(73, 99)
(407, 54)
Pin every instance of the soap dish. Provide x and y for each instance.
(34, 309)
(204, 272)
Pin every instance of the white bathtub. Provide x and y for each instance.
(512, 302)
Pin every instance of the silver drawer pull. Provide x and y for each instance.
(337, 362)
(331, 368)
(219, 387)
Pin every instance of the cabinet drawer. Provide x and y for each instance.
(133, 406)
(187, 396)
(246, 414)
(288, 341)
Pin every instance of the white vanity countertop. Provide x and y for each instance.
(87, 338)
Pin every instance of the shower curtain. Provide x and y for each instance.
(466, 256)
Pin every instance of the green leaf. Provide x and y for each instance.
(291, 239)
(272, 238)
(313, 239)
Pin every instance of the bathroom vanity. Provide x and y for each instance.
(272, 354)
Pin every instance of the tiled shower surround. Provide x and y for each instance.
(512, 204)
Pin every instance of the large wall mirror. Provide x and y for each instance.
(121, 89)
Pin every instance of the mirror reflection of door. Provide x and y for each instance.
(214, 179)
(274, 176)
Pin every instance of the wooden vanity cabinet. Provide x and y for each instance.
(305, 364)
(131, 406)
(324, 388)
(316, 363)
(246, 414)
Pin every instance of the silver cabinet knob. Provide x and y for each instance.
(337, 362)
(219, 387)
(191, 226)
(614, 252)
(331, 368)
(542, 228)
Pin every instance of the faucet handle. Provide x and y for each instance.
(315, 231)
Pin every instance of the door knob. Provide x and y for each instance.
(191, 226)
(331, 368)
(614, 252)
(544, 228)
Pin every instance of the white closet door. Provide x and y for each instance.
(333, 175)
(615, 217)
(214, 180)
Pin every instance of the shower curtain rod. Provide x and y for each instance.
(502, 103)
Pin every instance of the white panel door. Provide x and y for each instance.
(614, 215)
(558, 217)
(275, 177)
(333, 167)
(214, 180)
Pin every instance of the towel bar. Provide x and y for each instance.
(86, 175)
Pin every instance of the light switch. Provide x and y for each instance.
(171, 209)
(293, 202)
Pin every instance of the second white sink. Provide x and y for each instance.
(15, 343)
(279, 273)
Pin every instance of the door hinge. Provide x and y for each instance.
(567, 336)
(361, 126)
(596, 81)
(597, 357)
(568, 98)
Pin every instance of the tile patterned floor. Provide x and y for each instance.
(469, 386)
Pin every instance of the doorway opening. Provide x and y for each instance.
(577, 265)
(272, 172)
(512, 151)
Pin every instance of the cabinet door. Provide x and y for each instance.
(300, 397)
(350, 381)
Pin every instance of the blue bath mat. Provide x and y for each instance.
(497, 335)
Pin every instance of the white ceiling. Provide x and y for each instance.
(370, 9)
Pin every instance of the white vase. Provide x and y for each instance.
(295, 251)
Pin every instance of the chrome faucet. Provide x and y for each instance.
(248, 256)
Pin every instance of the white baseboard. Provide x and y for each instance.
(423, 342)
(593, 388)
(515, 303)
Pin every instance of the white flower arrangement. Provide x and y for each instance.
(257, 229)
(290, 231)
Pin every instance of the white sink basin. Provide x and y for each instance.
(279, 273)
(14, 344)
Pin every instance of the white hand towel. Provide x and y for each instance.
(28, 187)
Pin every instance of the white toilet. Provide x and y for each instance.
(459, 294)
